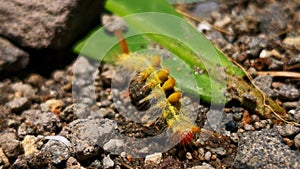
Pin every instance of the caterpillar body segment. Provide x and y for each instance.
(152, 89)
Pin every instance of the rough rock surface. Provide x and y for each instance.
(46, 24)
(86, 135)
(265, 149)
(11, 57)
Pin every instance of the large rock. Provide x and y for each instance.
(265, 149)
(11, 57)
(46, 24)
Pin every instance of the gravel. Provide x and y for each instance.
(68, 118)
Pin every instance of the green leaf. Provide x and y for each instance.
(100, 38)
(166, 27)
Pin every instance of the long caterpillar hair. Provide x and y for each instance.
(154, 91)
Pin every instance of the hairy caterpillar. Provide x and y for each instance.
(152, 89)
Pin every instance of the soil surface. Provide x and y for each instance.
(59, 121)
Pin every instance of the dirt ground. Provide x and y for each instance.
(262, 36)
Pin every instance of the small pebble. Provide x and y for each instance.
(252, 71)
(26, 90)
(288, 93)
(255, 118)
(234, 137)
(297, 141)
(155, 158)
(258, 125)
(292, 42)
(214, 157)
(113, 144)
(35, 79)
(52, 105)
(231, 126)
(72, 163)
(287, 130)
(59, 75)
(18, 104)
(288, 141)
(189, 156)
(275, 64)
(295, 115)
(207, 156)
(240, 130)
(107, 162)
(290, 105)
(123, 154)
(201, 151)
(29, 144)
(248, 127)
(237, 117)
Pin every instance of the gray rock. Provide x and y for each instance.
(290, 105)
(272, 16)
(265, 149)
(18, 104)
(288, 92)
(207, 156)
(37, 122)
(9, 143)
(81, 110)
(114, 145)
(295, 114)
(57, 151)
(25, 89)
(297, 141)
(11, 57)
(107, 162)
(294, 60)
(275, 64)
(46, 24)
(87, 135)
(287, 130)
(68, 113)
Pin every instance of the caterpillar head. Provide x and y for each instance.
(187, 136)
(184, 130)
